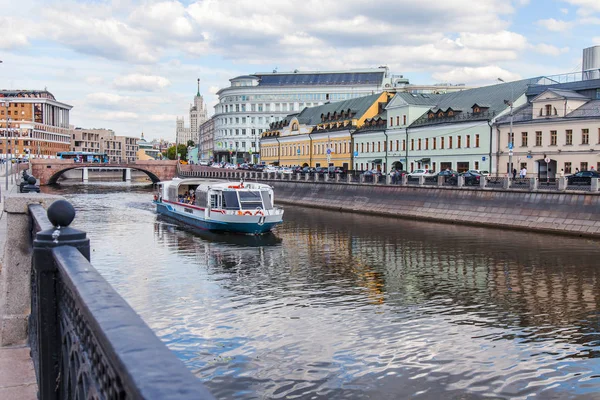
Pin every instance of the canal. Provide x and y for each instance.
(336, 305)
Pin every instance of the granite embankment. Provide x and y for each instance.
(564, 213)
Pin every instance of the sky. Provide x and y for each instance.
(132, 66)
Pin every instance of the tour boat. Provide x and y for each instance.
(244, 207)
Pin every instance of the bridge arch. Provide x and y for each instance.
(54, 178)
(48, 171)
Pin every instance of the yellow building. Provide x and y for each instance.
(320, 136)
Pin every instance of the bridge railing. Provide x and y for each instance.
(86, 341)
(484, 183)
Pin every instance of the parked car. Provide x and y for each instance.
(421, 172)
(582, 178)
(480, 172)
(471, 178)
(286, 171)
(258, 167)
(308, 170)
(321, 170)
(450, 176)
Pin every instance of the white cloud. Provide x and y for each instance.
(94, 80)
(586, 5)
(480, 75)
(105, 100)
(118, 116)
(555, 25)
(549, 49)
(213, 89)
(163, 117)
(564, 10)
(503, 40)
(596, 40)
(140, 82)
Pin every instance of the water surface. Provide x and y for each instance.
(335, 305)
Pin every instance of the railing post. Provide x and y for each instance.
(594, 185)
(362, 178)
(404, 179)
(482, 182)
(326, 177)
(44, 327)
(562, 184)
(388, 179)
(338, 177)
(316, 177)
(421, 180)
(506, 183)
(460, 181)
(348, 178)
(533, 184)
(440, 180)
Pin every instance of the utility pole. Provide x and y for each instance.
(510, 135)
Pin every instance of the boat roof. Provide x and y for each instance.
(205, 184)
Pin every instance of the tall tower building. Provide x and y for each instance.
(198, 115)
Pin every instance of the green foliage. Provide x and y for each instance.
(172, 154)
(190, 143)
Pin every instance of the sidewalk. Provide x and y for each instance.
(17, 376)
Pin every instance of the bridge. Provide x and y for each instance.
(48, 171)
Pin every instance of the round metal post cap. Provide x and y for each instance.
(61, 213)
(31, 180)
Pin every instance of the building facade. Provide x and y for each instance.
(206, 136)
(253, 102)
(146, 150)
(321, 136)
(33, 123)
(558, 129)
(198, 115)
(85, 140)
(119, 149)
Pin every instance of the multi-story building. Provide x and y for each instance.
(198, 115)
(206, 136)
(34, 123)
(85, 140)
(118, 148)
(146, 150)
(321, 136)
(252, 102)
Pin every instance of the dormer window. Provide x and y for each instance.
(476, 110)
(450, 113)
(440, 114)
(430, 115)
(548, 109)
(295, 126)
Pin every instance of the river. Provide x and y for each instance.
(335, 305)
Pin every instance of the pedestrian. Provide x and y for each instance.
(576, 170)
(592, 168)
(523, 172)
(562, 173)
(514, 172)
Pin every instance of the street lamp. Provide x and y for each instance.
(510, 135)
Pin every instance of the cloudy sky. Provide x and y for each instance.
(132, 65)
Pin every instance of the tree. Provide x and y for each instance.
(190, 143)
(172, 154)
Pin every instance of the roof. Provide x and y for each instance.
(567, 94)
(591, 109)
(359, 105)
(27, 93)
(244, 77)
(591, 84)
(492, 96)
(417, 99)
(320, 79)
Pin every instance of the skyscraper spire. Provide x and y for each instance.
(198, 88)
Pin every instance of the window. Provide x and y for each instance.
(442, 143)
(538, 138)
(553, 136)
(397, 145)
(403, 145)
(458, 142)
(434, 143)
(450, 142)
(398, 120)
(367, 147)
(567, 168)
(548, 109)
(391, 121)
(583, 166)
(511, 138)
(523, 139)
(362, 148)
(427, 144)
(412, 144)
(477, 140)
(468, 141)
(404, 119)
(585, 136)
(476, 164)
(378, 146)
(419, 145)
(569, 137)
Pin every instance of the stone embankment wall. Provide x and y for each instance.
(566, 213)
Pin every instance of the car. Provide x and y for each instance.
(258, 167)
(308, 170)
(420, 172)
(582, 178)
(471, 178)
(321, 170)
(286, 171)
(479, 172)
(450, 176)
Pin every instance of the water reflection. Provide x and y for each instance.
(343, 306)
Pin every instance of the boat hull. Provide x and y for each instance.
(250, 225)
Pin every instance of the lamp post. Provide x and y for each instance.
(510, 135)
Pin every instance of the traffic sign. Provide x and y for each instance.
(328, 151)
(510, 152)
(483, 158)
(547, 159)
(298, 151)
(356, 154)
(510, 146)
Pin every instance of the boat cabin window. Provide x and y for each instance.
(230, 200)
(200, 198)
(215, 201)
(267, 200)
(250, 199)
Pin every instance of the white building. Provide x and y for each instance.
(198, 115)
(252, 102)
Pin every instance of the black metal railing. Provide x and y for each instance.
(86, 341)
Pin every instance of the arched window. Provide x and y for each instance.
(548, 109)
(295, 126)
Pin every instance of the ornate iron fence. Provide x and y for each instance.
(86, 342)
